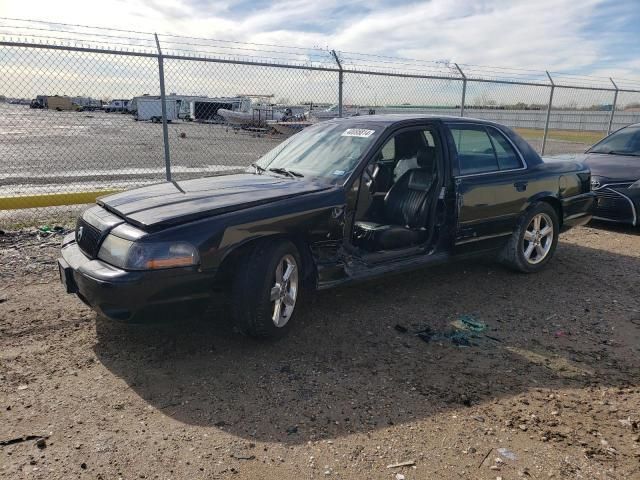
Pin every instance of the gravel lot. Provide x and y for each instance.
(551, 391)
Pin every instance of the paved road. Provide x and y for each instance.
(42, 146)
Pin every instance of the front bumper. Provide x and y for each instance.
(620, 205)
(135, 296)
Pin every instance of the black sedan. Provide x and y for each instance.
(615, 175)
(343, 200)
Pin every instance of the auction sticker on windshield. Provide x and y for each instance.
(358, 132)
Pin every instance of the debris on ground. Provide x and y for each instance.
(506, 453)
(238, 456)
(40, 440)
(406, 463)
(468, 322)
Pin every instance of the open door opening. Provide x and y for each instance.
(397, 201)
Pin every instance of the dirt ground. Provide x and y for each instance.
(550, 390)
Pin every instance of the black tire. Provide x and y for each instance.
(253, 309)
(513, 254)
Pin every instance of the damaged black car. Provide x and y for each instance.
(343, 200)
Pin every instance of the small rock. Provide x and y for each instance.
(399, 476)
(83, 466)
(471, 450)
(23, 387)
(522, 427)
(292, 430)
(494, 467)
(41, 443)
(479, 419)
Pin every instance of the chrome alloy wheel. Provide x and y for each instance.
(538, 238)
(284, 291)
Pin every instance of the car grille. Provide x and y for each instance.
(613, 206)
(89, 241)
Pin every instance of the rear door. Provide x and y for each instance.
(491, 185)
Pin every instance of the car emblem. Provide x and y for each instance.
(80, 232)
(595, 183)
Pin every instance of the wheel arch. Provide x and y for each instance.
(237, 253)
(551, 200)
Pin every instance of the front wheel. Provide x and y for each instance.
(534, 240)
(267, 288)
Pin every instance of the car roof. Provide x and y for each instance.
(399, 119)
(392, 118)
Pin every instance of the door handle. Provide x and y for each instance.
(521, 186)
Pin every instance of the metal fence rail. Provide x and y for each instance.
(204, 107)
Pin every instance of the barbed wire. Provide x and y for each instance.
(224, 49)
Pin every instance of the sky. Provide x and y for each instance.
(583, 37)
(580, 36)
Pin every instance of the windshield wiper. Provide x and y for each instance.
(618, 152)
(286, 171)
(258, 168)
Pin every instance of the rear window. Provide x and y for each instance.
(483, 150)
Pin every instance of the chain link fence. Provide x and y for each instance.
(86, 112)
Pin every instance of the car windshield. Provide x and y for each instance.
(329, 150)
(622, 142)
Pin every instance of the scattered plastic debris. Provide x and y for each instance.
(459, 338)
(425, 334)
(468, 322)
(506, 453)
(465, 330)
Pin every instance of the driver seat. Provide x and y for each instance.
(405, 209)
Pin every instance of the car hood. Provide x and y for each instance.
(619, 168)
(172, 203)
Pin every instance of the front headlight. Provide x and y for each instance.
(635, 184)
(131, 255)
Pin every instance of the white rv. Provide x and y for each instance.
(119, 105)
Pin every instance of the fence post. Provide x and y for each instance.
(163, 101)
(546, 123)
(464, 89)
(335, 56)
(613, 107)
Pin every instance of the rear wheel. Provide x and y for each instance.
(534, 241)
(267, 288)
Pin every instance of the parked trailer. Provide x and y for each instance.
(59, 103)
(151, 109)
